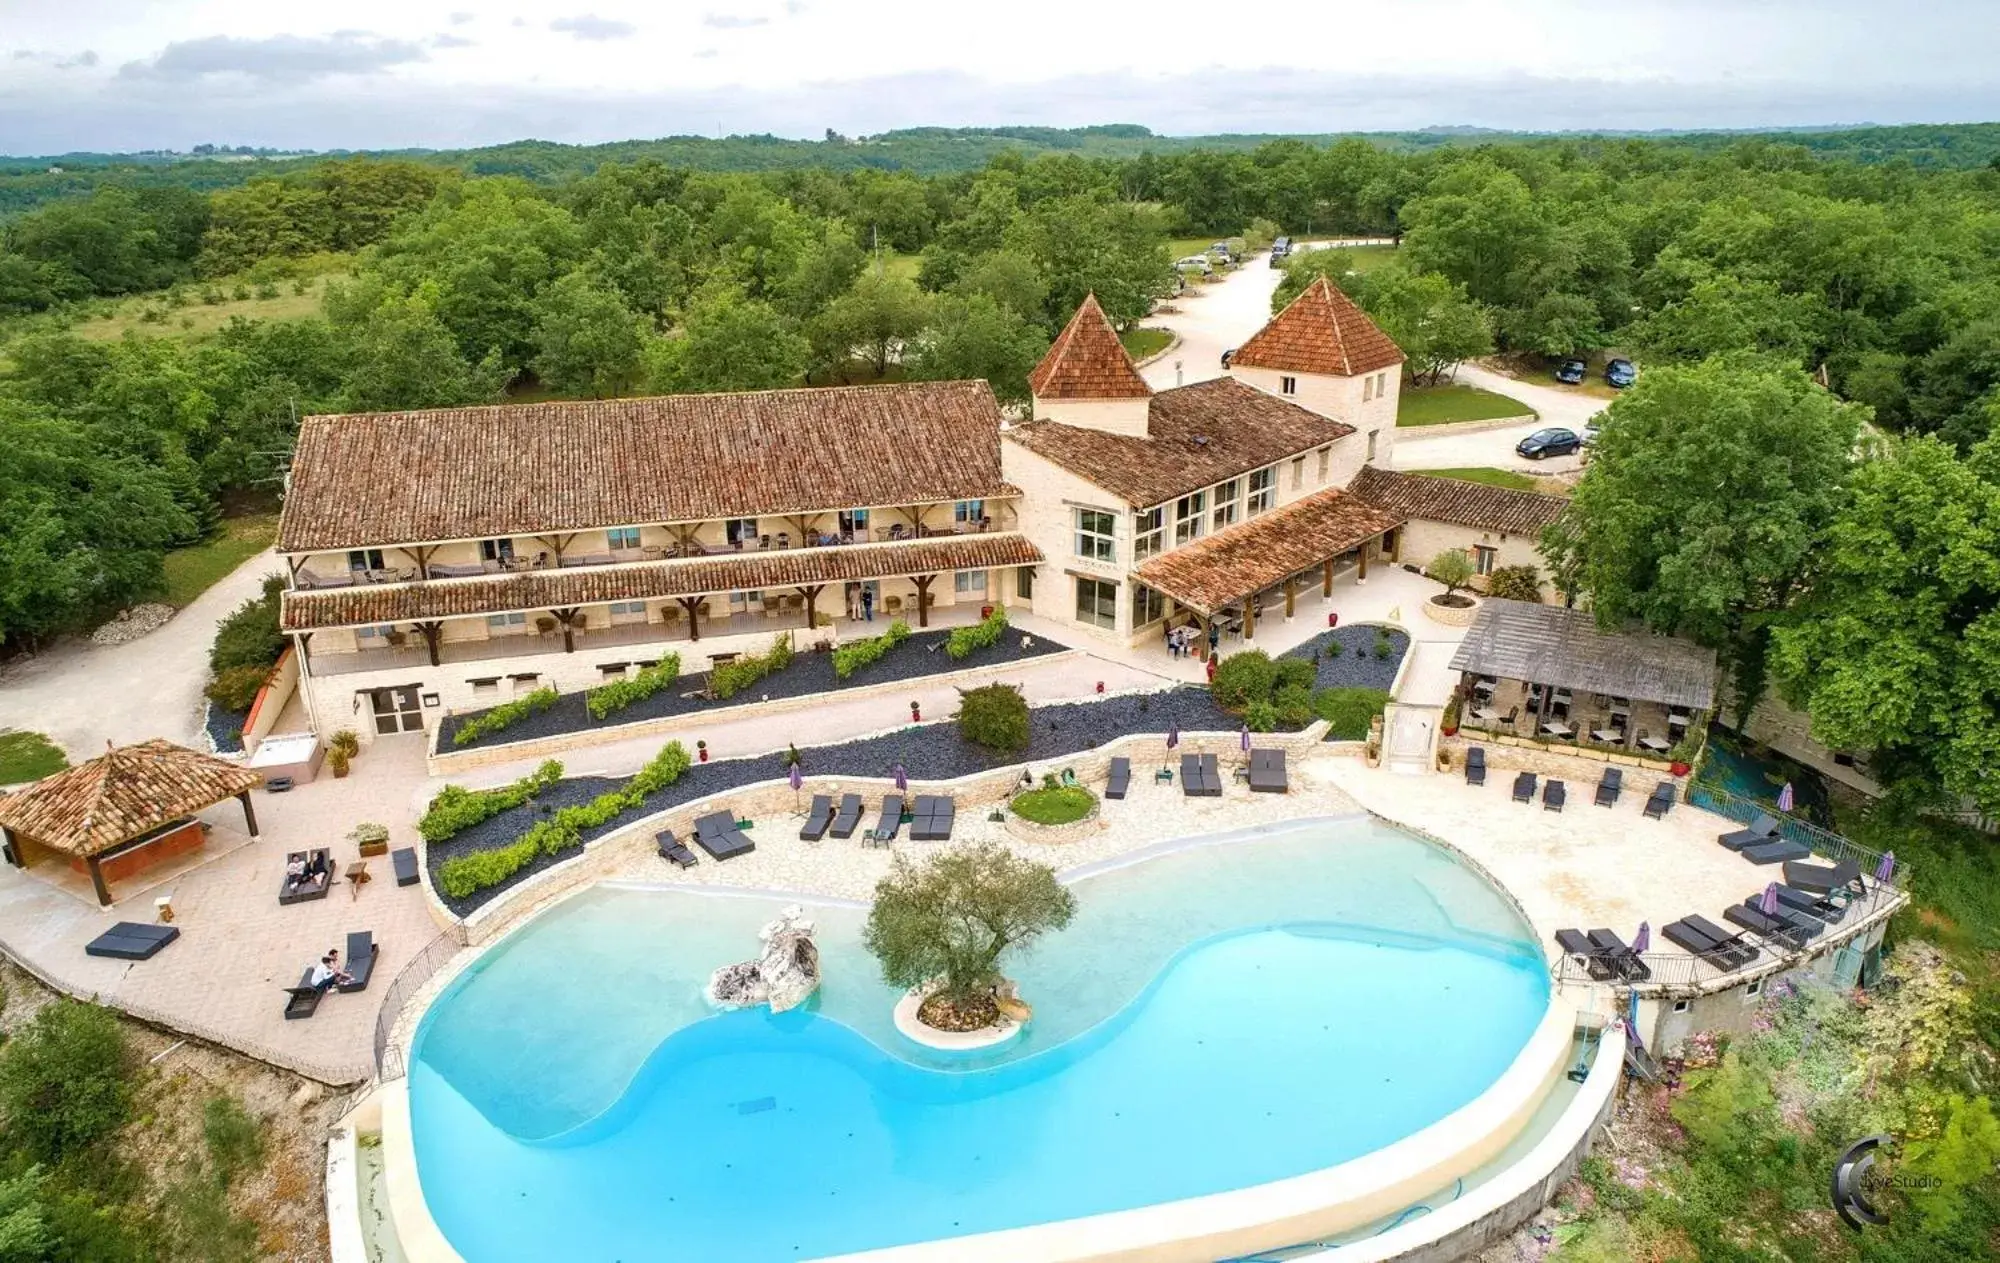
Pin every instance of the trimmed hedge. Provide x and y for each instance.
(617, 695)
(1349, 711)
(236, 688)
(465, 874)
(457, 808)
(983, 634)
(504, 715)
(852, 657)
(732, 678)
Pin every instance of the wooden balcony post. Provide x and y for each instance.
(1250, 617)
(563, 617)
(249, 814)
(1326, 578)
(1362, 575)
(811, 594)
(431, 632)
(97, 882)
(693, 607)
(923, 582)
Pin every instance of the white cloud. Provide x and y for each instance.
(448, 40)
(732, 21)
(460, 17)
(589, 26)
(285, 58)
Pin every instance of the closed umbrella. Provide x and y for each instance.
(795, 780)
(1173, 736)
(902, 779)
(1785, 797)
(1643, 940)
(1768, 905)
(1887, 868)
(1246, 738)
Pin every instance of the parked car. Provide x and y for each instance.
(1571, 372)
(1195, 263)
(1553, 441)
(1620, 374)
(1592, 428)
(1221, 248)
(1280, 250)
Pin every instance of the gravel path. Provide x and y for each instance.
(1357, 666)
(927, 752)
(920, 656)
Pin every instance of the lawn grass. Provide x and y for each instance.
(193, 571)
(1507, 478)
(1442, 405)
(902, 266)
(197, 319)
(1182, 247)
(1368, 258)
(1141, 342)
(1060, 804)
(28, 756)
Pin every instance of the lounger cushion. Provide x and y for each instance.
(848, 818)
(1524, 787)
(362, 952)
(725, 844)
(1824, 877)
(404, 862)
(1752, 918)
(303, 1000)
(1811, 904)
(132, 940)
(1120, 779)
(1775, 852)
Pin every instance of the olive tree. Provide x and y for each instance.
(1452, 568)
(951, 918)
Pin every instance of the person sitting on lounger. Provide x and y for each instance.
(328, 972)
(316, 866)
(295, 875)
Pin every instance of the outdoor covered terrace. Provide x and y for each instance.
(1260, 568)
(1547, 673)
(129, 811)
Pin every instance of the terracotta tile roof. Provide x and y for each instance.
(1320, 331)
(1244, 429)
(1087, 361)
(121, 795)
(650, 580)
(1464, 503)
(1236, 563)
(470, 473)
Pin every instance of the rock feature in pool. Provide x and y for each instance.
(784, 976)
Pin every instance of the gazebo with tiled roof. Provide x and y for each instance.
(134, 804)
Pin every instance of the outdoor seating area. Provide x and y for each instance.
(308, 875)
(718, 834)
(933, 818)
(1201, 776)
(674, 851)
(1267, 772)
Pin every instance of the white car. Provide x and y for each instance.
(1195, 263)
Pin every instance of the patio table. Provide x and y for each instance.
(1558, 730)
(1486, 713)
(1655, 744)
(1609, 736)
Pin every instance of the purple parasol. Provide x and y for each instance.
(795, 779)
(1768, 905)
(1785, 797)
(1173, 736)
(1887, 868)
(902, 779)
(1643, 940)
(1246, 738)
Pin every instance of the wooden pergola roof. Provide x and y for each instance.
(124, 794)
(1548, 644)
(1243, 560)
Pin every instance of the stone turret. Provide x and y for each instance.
(1088, 380)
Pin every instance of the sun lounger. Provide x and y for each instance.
(1267, 772)
(891, 822)
(1821, 906)
(361, 953)
(1827, 878)
(1581, 950)
(1743, 950)
(302, 1000)
(1608, 786)
(933, 819)
(848, 818)
(1776, 851)
(1774, 929)
(1720, 952)
(404, 862)
(132, 940)
(1191, 775)
(1554, 795)
(290, 892)
(1661, 802)
(1120, 780)
(1762, 829)
(820, 819)
(717, 834)
(1808, 925)
(1211, 775)
(1475, 765)
(674, 851)
(1627, 962)
(1524, 787)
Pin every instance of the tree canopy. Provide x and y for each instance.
(952, 917)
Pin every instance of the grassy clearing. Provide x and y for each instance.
(1442, 405)
(28, 756)
(197, 319)
(1141, 342)
(902, 266)
(1368, 258)
(1060, 804)
(1507, 478)
(193, 571)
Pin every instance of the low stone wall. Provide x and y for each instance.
(1451, 616)
(1465, 427)
(453, 762)
(1056, 834)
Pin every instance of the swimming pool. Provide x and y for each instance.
(1218, 1016)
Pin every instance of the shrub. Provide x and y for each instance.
(1242, 678)
(1260, 716)
(732, 678)
(456, 809)
(63, 1081)
(504, 715)
(849, 658)
(1452, 568)
(617, 695)
(952, 918)
(1054, 804)
(1515, 583)
(994, 716)
(983, 634)
(267, 290)
(1383, 647)
(1293, 704)
(1294, 673)
(236, 688)
(1349, 711)
(250, 635)
(369, 833)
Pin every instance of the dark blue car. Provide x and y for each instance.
(1620, 373)
(1554, 441)
(1571, 372)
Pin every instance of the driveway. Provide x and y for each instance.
(83, 694)
(1211, 319)
(1558, 405)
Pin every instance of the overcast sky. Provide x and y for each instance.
(137, 74)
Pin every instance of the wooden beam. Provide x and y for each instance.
(1291, 595)
(1250, 617)
(432, 631)
(1362, 576)
(249, 814)
(812, 595)
(97, 883)
(693, 604)
(563, 617)
(923, 582)
(1326, 579)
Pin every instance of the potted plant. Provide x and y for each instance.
(341, 749)
(1451, 716)
(369, 838)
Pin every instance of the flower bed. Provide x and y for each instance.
(1356, 665)
(933, 752)
(921, 654)
(1054, 804)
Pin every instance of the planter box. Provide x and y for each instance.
(1055, 834)
(1451, 616)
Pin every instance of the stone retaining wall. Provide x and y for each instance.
(1580, 768)
(1056, 834)
(1452, 616)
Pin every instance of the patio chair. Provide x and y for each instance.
(361, 953)
(1776, 851)
(302, 1001)
(1583, 952)
(1475, 765)
(1661, 802)
(132, 940)
(1828, 879)
(1120, 780)
(1524, 787)
(891, 822)
(1267, 772)
(1762, 829)
(1554, 794)
(1825, 908)
(403, 862)
(1629, 964)
(819, 821)
(848, 818)
(1774, 930)
(319, 859)
(1608, 786)
(674, 851)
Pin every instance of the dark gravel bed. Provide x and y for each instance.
(225, 727)
(921, 655)
(927, 753)
(1357, 666)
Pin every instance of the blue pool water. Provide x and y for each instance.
(1216, 1017)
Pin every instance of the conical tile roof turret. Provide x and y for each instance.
(1320, 331)
(1087, 361)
